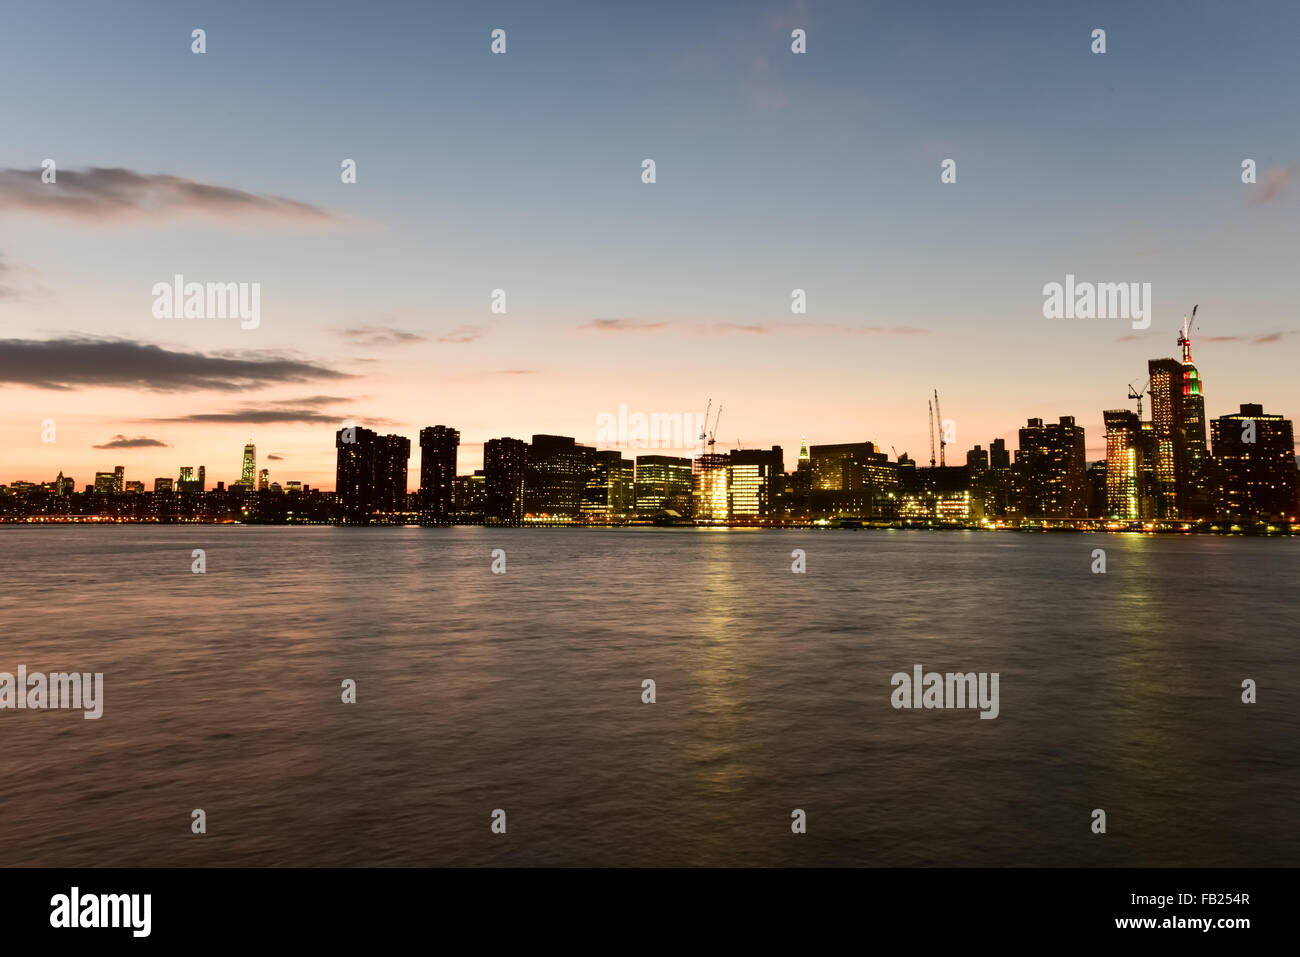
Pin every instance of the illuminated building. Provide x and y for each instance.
(1253, 479)
(610, 490)
(505, 462)
(853, 479)
(1130, 466)
(663, 484)
(248, 472)
(754, 480)
(709, 487)
(264, 479)
(469, 497)
(162, 485)
(555, 479)
(1051, 471)
(438, 447)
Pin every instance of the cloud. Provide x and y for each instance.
(462, 334)
(381, 336)
(623, 325)
(747, 328)
(101, 195)
(80, 362)
(275, 458)
(140, 442)
(1273, 182)
(256, 416)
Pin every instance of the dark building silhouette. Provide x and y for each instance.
(505, 462)
(1253, 479)
(556, 477)
(977, 460)
(1051, 470)
(438, 446)
(370, 477)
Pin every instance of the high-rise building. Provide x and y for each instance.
(119, 479)
(105, 483)
(370, 479)
(203, 478)
(709, 487)
(1169, 429)
(755, 479)
(1130, 467)
(1254, 465)
(248, 471)
(610, 490)
(556, 477)
(264, 480)
(853, 479)
(163, 485)
(438, 446)
(977, 460)
(663, 485)
(1051, 470)
(505, 462)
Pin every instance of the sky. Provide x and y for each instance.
(522, 172)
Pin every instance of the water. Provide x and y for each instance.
(523, 692)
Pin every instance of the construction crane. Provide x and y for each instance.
(712, 432)
(704, 427)
(931, 407)
(942, 441)
(1137, 394)
(1185, 337)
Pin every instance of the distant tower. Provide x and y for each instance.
(248, 476)
(264, 480)
(804, 459)
(203, 478)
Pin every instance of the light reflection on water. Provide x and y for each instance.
(523, 691)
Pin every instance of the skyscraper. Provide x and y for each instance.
(1130, 466)
(1254, 465)
(556, 477)
(663, 484)
(1169, 429)
(248, 472)
(438, 446)
(1051, 471)
(505, 462)
(609, 491)
(755, 483)
(370, 479)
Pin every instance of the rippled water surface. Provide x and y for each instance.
(522, 691)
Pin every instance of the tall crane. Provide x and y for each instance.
(1137, 394)
(931, 407)
(942, 441)
(705, 425)
(712, 432)
(1185, 337)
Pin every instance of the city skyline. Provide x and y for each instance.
(776, 172)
